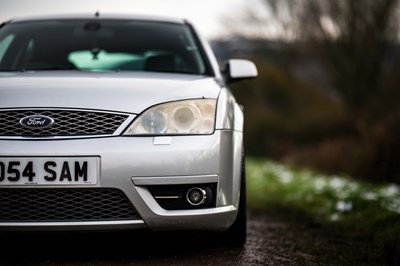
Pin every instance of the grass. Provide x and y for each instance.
(358, 207)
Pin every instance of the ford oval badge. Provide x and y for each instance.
(36, 121)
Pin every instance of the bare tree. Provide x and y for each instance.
(355, 42)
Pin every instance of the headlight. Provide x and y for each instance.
(180, 118)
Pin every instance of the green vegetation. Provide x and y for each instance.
(357, 207)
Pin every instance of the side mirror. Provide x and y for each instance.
(239, 69)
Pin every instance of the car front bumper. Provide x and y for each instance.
(130, 164)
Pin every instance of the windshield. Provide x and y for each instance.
(100, 45)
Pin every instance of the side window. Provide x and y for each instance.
(4, 44)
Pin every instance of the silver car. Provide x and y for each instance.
(116, 122)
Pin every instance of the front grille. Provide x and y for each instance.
(65, 205)
(66, 123)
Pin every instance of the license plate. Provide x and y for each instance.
(48, 171)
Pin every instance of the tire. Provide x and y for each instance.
(237, 233)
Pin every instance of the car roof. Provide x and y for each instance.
(100, 16)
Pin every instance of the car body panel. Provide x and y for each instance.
(119, 92)
(135, 17)
(192, 155)
(133, 163)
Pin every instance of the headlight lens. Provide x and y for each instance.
(180, 118)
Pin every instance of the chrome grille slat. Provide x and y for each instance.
(65, 205)
(66, 123)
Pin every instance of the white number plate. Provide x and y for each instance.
(48, 171)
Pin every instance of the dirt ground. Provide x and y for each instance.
(272, 240)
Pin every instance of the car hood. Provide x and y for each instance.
(114, 91)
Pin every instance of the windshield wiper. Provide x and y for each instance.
(37, 69)
(13, 70)
(174, 72)
(46, 68)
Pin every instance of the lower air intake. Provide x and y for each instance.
(65, 205)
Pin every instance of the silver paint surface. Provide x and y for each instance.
(129, 163)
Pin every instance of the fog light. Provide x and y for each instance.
(196, 196)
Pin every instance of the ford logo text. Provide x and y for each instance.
(37, 122)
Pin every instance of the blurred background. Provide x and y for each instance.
(322, 120)
(328, 91)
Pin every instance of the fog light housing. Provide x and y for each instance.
(196, 196)
(174, 197)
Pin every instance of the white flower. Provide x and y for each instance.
(343, 206)
(369, 196)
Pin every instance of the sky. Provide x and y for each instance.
(207, 15)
